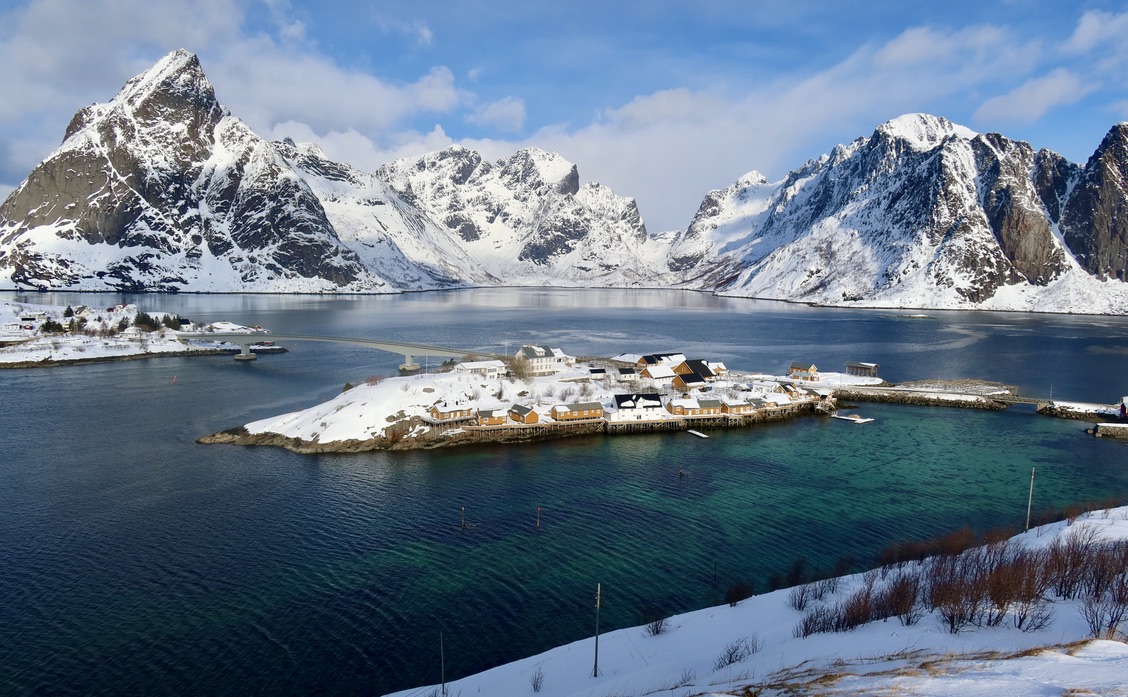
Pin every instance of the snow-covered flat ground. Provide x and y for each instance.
(104, 334)
(880, 658)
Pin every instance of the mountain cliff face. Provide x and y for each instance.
(162, 189)
(922, 213)
(527, 219)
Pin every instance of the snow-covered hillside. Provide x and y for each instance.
(163, 189)
(924, 213)
(756, 648)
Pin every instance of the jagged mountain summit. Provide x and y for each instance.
(163, 189)
(922, 213)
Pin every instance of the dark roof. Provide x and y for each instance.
(692, 378)
(700, 367)
(520, 409)
(802, 366)
(709, 403)
(631, 400)
(627, 371)
(598, 371)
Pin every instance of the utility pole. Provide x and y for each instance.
(595, 670)
(1030, 500)
(442, 662)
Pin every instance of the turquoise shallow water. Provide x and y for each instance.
(137, 561)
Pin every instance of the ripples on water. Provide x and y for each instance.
(135, 560)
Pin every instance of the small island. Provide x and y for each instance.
(543, 393)
(36, 336)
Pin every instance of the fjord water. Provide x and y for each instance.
(133, 560)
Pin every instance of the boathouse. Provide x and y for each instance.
(737, 407)
(695, 366)
(577, 412)
(659, 374)
(523, 414)
(688, 381)
(445, 413)
(492, 417)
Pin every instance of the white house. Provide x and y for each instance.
(490, 369)
(637, 407)
(544, 361)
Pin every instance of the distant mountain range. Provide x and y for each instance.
(163, 189)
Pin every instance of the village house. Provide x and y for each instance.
(638, 407)
(659, 374)
(523, 414)
(693, 407)
(492, 417)
(598, 373)
(654, 359)
(627, 374)
(489, 369)
(687, 381)
(544, 361)
(804, 371)
(695, 367)
(737, 406)
(865, 370)
(577, 412)
(445, 413)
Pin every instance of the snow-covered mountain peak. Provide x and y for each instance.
(923, 131)
(541, 170)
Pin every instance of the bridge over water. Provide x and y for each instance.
(408, 351)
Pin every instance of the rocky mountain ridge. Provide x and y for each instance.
(162, 189)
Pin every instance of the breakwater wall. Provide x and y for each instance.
(920, 398)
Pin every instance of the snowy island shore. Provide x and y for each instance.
(1032, 615)
(35, 336)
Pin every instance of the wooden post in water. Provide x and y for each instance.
(538, 518)
(595, 670)
(464, 517)
(1030, 500)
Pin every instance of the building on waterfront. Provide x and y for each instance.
(523, 414)
(637, 407)
(445, 413)
(865, 370)
(659, 374)
(577, 412)
(492, 417)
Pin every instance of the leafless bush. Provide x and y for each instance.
(537, 679)
(1105, 612)
(799, 596)
(373, 379)
(902, 597)
(818, 620)
(955, 592)
(739, 590)
(737, 651)
(826, 587)
(858, 609)
(1067, 559)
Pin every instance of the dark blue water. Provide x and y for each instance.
(133, 560)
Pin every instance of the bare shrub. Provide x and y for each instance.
(818, 620)
(737, 651)
(536, 680)
(902, 598)
(858, 609)
(373, 379)
(826, 587)
(1067, 559)
(799, 596)
(955, 591)
(1104, 613)
(654, 621)
(739, 590)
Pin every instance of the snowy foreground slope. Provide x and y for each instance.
(881, 657)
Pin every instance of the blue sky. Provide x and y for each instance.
(660, 100)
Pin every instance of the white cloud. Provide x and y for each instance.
(1097, 29)
(1031, 100)
(506, 114)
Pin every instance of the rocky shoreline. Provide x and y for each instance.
(894, 396)
(50, 363)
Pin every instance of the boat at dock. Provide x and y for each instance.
(855, 418)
